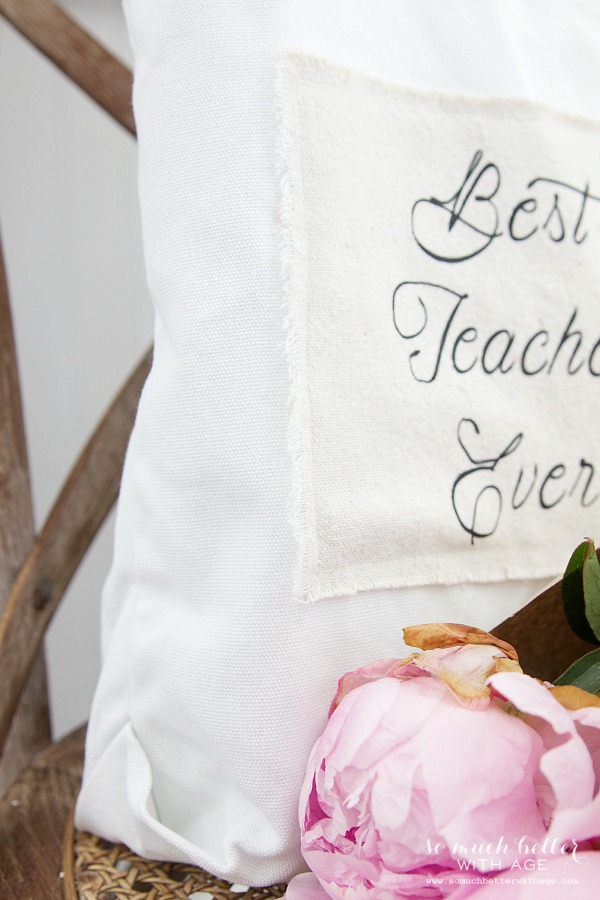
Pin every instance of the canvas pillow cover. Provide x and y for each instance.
(321, 454)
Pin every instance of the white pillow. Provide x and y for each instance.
(289, 445)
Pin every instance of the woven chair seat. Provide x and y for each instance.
(36, 834)
(104, 871)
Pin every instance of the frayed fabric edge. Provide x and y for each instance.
(293, 279)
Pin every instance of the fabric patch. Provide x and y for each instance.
(441, 269)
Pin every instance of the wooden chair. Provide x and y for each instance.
(36, 569)
(40, 780)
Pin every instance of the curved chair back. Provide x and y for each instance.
(35, 570)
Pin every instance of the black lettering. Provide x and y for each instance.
(595, 348)
(583, 193)
(555, 473)
(566, 336)
(499, 364)
(493, 461)
(480, 491)
(467, 336)
(524, 368)
(527, 206)
(584, 464)
(555, 214)
(468, 513)
(472, 208)
(584, 198)
(472, 526)
(408, 335)
(405, 289)
(518, 505)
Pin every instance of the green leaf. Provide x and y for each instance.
(573, 593)
(580, 554)
(584, 673)
(591, 592)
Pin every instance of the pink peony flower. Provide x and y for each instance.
(447, 761)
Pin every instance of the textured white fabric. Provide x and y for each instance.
(441, 261)
(215, 682)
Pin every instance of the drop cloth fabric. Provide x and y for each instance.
(216, 680)
(440, 260)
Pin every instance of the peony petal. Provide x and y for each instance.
(534, 699)
(464, 675)
(448, 634)
(577, 825)
(589, 716)
(340, 869)
(393, 792)
(406, 760)
(505, 664)
(478, 773)
(464, 669)
(587, 722)
(572, 697)
(566, 764)
(369, 722)
(364, 675)
(305, 887)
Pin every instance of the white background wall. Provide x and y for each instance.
(71, 235)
